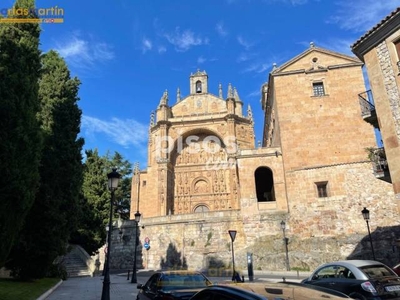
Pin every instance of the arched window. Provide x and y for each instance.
(264, 180)
(201, 208)
(198, 86)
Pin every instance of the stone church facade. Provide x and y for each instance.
(206, 175)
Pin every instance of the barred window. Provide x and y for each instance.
(322, 189)
(318, 89)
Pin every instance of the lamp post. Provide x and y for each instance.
(286, 242)
(398, 246)
(232, 234)
(365, 213)
(105, 251)
(136, 171)
(137, 219)
(113, 179)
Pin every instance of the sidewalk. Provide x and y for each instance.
(90, 288)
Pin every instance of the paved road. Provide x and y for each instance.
(90, 288)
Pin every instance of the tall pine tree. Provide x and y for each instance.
(95, 202)
(54, 215)
(20, 138)
(96, 198)
(123, 192)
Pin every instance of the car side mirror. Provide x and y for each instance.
(140, 286)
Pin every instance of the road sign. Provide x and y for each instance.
(146, 246)
(147, 240)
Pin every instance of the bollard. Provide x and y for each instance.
(250, 266)
(128, 274)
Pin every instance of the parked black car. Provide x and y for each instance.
(360, 279)
(172, 285)
(226, 292)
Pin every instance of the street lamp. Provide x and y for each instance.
(136, 172)
(286, 242)
(398, 246)
(137, 219)
(105, 251)
(232, 234)
(365, 213)
(113, 179)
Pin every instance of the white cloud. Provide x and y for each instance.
(362, 15)
(334, 44)
(258, 67)
(162, 49)
(292, 2)
(298, 2)
(183, 41)
(84, 53)
(246, 44)
(122, 132)
(201, 60)
(244, 57)
(221, 29)
(255, 93)
(102, 51)
(146, 45)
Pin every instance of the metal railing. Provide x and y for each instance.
(366, 103)
(379, 161)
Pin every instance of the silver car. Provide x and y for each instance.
(360, 279)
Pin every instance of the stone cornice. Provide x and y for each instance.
(376, 35)
(329, 166)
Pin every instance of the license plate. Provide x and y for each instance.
(393, 288)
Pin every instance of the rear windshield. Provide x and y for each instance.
(169, 282)
(376, 271)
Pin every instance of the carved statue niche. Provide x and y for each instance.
(200, 187)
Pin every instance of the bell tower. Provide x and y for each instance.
(199, 83)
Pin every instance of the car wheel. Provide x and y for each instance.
(357, 296)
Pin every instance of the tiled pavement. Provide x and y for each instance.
(90, 288)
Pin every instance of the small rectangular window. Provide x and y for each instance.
(318, 89)
(322, 189)
(144, 183)
(397, 45)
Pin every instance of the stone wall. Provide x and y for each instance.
(384, 80)
(319, 230)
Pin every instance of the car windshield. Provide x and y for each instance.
(376, 271)
(178, 281)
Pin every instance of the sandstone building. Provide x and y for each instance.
(205, 175)
(379, 48)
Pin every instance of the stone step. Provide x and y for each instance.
(74, 266)
(79, 274)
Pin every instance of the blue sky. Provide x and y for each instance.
(128, 52)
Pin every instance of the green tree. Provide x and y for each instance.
(123, 193)
(54, 214)
(95, 202)
(96, 198)
(20, 137)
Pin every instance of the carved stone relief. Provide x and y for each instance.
(200, 187)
